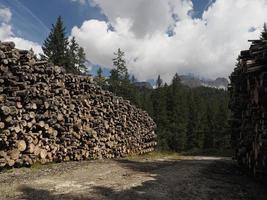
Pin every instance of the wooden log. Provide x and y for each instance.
(14, 154)
(47, 115)
(43, 153)
(3, 162)
(2, 125)
(21, 145)
(31, 148)
(5, 110)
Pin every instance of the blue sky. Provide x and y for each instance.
(201, 37)
(32, 19)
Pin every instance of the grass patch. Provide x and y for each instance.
(209, 152)
(155, 155)
(7, 170)
(39, 166)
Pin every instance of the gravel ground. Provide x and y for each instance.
(189, 178)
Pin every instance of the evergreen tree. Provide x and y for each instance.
(114, 76)
(191, 135)
(209, 130)
(60, 51)
(176, 82)
(120, 66)
(186, 118)
(133, 79)
(176, 116)
(81, 61)
(100, 80)
(55, 47)
(264, 32)
(72, 53)
(221, 125)
(99, 72)
(159, 82)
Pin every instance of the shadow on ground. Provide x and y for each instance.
(187, 180)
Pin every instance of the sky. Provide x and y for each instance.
(159, 37)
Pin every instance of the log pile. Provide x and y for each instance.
(49, 116)
(248, 102)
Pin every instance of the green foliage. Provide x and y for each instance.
(188, 119)
(99, 72)
(55, 46)
(264, 32)
(81, 61)
(72, 52)
(159, 81)
(119, 80)
(58, 50)
(121, 72)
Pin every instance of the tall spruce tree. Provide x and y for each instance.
(99, 72)
(100, 80)
(176, 115)
(133, 79)
(60, 51)
(121, 71)
(209, 133)
(159, 82)
(119, 78)
(81, 60)
(55, 47)
(264, 32)
(72, 53)
(191, 134)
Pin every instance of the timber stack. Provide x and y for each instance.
(248, 102)
(49, 116)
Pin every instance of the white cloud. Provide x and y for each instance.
(207, 47)
(6, 33)
(5, 14)
(146, 16)
(26, 44)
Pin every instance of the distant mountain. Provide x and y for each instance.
(192, 81)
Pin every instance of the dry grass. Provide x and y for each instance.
(157, 155)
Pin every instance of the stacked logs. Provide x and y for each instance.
(49, 116)
(248, 102)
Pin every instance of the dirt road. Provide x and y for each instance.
(191, 178)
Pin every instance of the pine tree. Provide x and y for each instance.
(176, 115)
(72, 53)
(264, 32)
(191, 134)
(55, 47)
(99, 72)
(120, 66)
(114, 76)
(100, 80)
(160, 116)
(176, 82)
(81, 61)
(209, 130)
(159, 82)
(133, 79)
(221, 125)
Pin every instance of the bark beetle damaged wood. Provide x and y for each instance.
(47, 115)
(248, 102)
